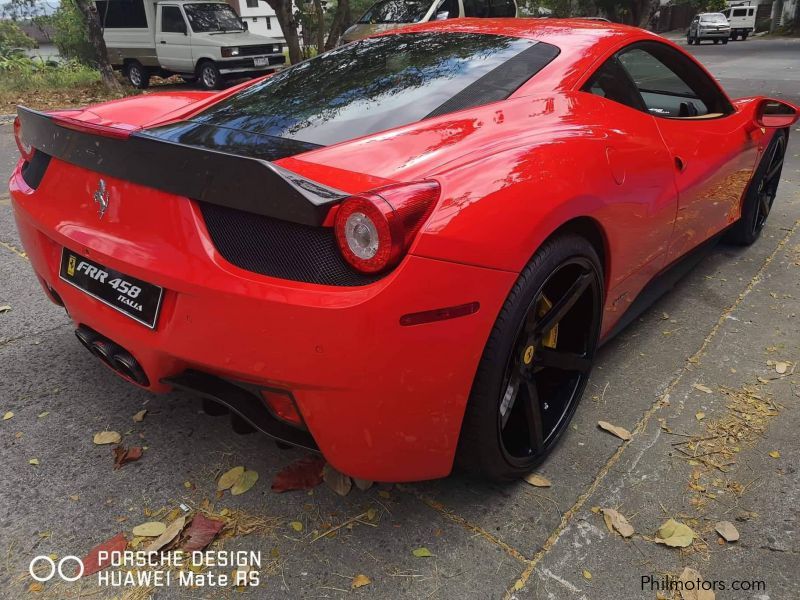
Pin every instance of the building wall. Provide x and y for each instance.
(260, 19)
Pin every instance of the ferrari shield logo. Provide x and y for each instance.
(71, 266)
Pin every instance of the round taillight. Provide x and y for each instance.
(374, 229)
(364, 234)
(26, 150)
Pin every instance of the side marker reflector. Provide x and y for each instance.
(439, 314)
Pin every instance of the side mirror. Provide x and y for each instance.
(775, 114)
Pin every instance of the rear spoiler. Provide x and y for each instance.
(249, 184)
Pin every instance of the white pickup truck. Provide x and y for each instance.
(742, 19)
(200, 40)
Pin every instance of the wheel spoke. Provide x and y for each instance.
(773, 170)
(564, 304)
(765, 205)
(566, 361)
(533, 414)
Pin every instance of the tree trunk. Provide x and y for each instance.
(94, 31)
(320, 26)
(285, 15)
(341, 20)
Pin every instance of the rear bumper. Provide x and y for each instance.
(382, 401)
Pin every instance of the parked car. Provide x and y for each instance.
(708, 26)
(200, 40)
(742, 20)
(406, 249)
(391, 14)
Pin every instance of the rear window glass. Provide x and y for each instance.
(380, 83)
(396, 11)
(122, 14)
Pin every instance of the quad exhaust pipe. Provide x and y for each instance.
(113, 355)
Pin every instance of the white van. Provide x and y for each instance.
(742, 20)
(201, 40)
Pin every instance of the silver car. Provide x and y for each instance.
(708, 26)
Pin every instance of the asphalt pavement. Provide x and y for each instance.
(717, 354)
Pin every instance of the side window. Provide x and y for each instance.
(476, 8)
(670, 84)
(612, 82)
(172, 20)
(739, 12)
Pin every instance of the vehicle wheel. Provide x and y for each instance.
(744, 36)
(189, 78)
(725, 41)
(688, 40)
(209, 76)
(716, 41)
(760, 194)
(536, 362)
(137, 75)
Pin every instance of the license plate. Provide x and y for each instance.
(261, 61)
(133, 297)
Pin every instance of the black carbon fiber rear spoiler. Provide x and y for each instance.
(249, 184)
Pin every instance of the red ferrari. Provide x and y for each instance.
(405, 250)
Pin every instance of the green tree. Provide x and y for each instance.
(11, 36)
(69, 34)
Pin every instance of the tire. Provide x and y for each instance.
(725, 41)
(137, 74)
(744, 36)
(208, 75)
(503, 436)
(716, 41)
(688, 40)
(760, 194)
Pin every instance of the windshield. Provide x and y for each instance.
(206, 18)
(396, 11)
(380, 83)
(717, 18)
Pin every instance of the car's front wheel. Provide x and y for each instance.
(760, 193)
(536, 362)
(208, 75)
(137, 74)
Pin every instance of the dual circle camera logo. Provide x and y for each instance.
(55, 568)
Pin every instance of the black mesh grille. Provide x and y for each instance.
(280, 248)
(255, 50)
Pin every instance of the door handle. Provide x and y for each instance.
(680, 164)
(162, 42)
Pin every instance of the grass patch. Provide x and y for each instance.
(46, 86)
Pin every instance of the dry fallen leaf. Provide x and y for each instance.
(537, 480)
(92, 561)
(338, 482)
(5, 308)
(33, 461)
(702, 388)
(422, 552)
(149, 529)
(123, 455)
(694, 591)
(245, 482)
(362, 484)
(302, 474)
(781, 367)
(775, 454)
(296, 525)
(727, 531)
(229, 477)
(675, 534)
(360, 581)
(616, 521)
(587, 574)
(620, 432)
(8, 416)
(700, 415)
(170, 533)
(139, 416)
(35, 587)
(201, 532)
(107, 437)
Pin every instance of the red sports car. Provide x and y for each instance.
(404, 250)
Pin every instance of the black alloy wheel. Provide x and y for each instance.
(761, 193)
(537, 362)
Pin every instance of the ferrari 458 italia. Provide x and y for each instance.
(405, 251)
